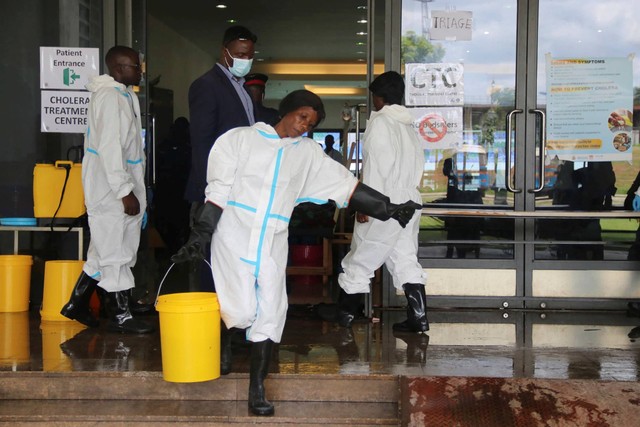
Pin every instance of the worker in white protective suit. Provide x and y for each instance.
(113, 181)
(392, 163)
(255, 177)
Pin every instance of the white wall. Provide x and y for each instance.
(177, 61)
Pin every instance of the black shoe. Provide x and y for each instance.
(78, 306)
(634, 333)
(119, 318)
(416, 310)
(260, 358)
(633, 308)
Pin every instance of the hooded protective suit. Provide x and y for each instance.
(393, 164)
(257, 178)
(112, 167)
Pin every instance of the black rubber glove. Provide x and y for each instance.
(368, 201)
(206, 220)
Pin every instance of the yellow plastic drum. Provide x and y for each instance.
(189, 336)
(15, 282)
(59, 279)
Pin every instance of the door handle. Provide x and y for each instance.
(543, 148)
(508, 179)
(358, 112)
(153, 136)
(150, 138)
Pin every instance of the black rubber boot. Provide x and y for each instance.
(225, 349)
(260, 357)
(78, 306)
(119, 318)
(633, 309)
(349, 307)
(416, 309)
(138, 306)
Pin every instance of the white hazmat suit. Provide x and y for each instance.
(257, 178)
(393, 164)
(112, 167)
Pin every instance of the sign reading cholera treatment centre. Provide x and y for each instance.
(64, 72)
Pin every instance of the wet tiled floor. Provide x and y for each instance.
(492, 343)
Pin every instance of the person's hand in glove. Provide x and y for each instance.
(201, 232)
(636, 203)
(404, 212)
(370, 202)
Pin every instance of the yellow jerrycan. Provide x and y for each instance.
(57, 190)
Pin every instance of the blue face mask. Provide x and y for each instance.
(240, 67)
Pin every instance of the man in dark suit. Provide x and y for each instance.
(218, 102)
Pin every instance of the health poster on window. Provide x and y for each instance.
(589, 109)
(438, 128)
(434, 84)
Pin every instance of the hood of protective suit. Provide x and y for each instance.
(397, 112)
(98, 82)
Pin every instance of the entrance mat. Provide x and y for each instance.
(472, 401)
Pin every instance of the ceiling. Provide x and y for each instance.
(321, 35)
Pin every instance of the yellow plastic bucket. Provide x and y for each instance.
(59, 279)
(189, 336)
(48, 181)
(15, 282)
(14, 339)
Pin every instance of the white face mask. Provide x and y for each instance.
(240, 67)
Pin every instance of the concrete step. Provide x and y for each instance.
(187, 412)
(100, 398)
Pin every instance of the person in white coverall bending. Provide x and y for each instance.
(255, 177)
(113, 181)
(392, 163)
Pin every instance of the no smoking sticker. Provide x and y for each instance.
(438, 128)
(433, 127)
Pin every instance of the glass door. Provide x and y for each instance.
(462, 62)
(587, 79)
(492, 232)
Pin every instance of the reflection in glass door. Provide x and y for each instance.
(600, 32)
(502, 225)
(585, 254)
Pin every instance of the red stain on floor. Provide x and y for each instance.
(457, 401)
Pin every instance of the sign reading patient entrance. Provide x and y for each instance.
(589, 109)
(434, 84)
(68, 67)
(66, 70)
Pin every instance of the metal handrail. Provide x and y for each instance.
(501, 213)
